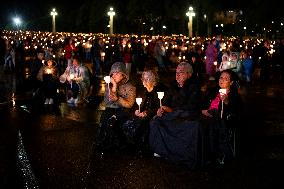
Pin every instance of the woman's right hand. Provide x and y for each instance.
(160, 112)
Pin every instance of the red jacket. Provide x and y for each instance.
(69, 50)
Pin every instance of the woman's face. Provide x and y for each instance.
(117, 76)
(49, 63)
(148, 82)
(225, 81)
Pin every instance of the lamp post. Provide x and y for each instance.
(190, 14)
(53, 13)
(245, 30)
(164, 29)
(111, 13)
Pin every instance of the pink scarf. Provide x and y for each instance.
(215, 103)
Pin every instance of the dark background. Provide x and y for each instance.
(91, 15)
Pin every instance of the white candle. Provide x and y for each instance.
(139, 101)
(160, 96)
(222, 92)
(107, 80)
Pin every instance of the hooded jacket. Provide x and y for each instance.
(126, 92)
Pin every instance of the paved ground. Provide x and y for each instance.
(52, 147)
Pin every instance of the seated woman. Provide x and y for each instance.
(174, 131)
(119, 98)
(77, 79)
(48, 76)
(137, 128)
(223, 111)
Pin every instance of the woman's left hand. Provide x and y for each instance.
(224, 98)
(140, 114)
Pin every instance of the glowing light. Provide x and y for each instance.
(139, 101)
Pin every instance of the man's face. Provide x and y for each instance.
(181, 75)
(75, 63)
(40, 56)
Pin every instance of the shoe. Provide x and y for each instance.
(157, 155)
(76, 101)
(46, 101)
(50, 101)
(71, 101)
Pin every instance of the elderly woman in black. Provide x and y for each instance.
(174, 131)
(137, 128)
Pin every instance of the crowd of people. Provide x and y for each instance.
(175, 121)
(173, 125)
(207, 55)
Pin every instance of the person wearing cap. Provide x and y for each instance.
(119, 99)
(175, 130)
(48, 75)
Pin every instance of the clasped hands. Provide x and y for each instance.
(140, 114)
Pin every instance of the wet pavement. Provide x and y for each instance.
(53, 146)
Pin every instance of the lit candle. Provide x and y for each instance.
(139, 101)
(107, 80)
(103, 55)
(72, 76)
(48, 71)
(160, 96)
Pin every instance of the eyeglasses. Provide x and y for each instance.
(180, 73)
(146, 80)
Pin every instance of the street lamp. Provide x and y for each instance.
(164, 29)
(111, 13)
(190, 14)
(17, 22)
(53, 13)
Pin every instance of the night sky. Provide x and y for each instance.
(36, 14)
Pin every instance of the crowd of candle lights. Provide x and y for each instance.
(33, 40)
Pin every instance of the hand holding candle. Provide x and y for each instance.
(48, 71)
(223, 92)
(72, 76)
